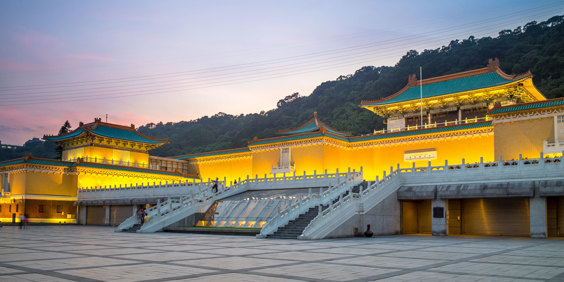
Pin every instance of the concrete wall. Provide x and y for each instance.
(384, 219)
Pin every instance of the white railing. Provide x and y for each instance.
(513, 170)
(553, 147)
(181, 197)
(179, 189)
(312, 200)
(143, 191)
(110, 161)
(290, 168)
(433, 125)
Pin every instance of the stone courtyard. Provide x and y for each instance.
(88, 253)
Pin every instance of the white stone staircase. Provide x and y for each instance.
(501, 171)
(311, 201)
(177, 208)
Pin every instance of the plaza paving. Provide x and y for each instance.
(87, 253)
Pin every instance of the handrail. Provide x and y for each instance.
(433, 125)
(378, 185)
(312, 200)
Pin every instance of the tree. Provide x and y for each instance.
(65, 128)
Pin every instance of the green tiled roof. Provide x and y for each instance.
(18, 161)
(290, 138)
(40, 162)
(242, 150)
(125, 168)
(425, 131)
(516, 108)
(55, 163)
(123, 134)
(310, 127)
(462, 84)
(73, 134)
(110, 132)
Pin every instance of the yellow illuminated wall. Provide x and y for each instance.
(49, 184)
(109, 154)
(263, 161)
(308, 159)
(524, 137)
(373, 160)
(239, 165)
(91, 177)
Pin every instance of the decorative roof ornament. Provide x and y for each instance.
(313, 125)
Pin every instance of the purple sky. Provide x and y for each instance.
(151, 61)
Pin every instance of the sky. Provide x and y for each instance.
(150, 61)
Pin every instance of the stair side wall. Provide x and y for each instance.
(384, 219)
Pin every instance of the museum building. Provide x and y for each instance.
(480, 118)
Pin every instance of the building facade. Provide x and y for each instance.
(474, 117)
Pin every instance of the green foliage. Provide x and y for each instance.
(34, 146)
(536, 47)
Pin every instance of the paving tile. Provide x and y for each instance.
(136, 272)
(238, 277)
(234, 263)
(52, 253)
(322, 271)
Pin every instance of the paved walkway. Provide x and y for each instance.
(86, 253)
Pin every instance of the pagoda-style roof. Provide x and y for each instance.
(552, 103)
(108, 130)
(474, 85)
(313, 125)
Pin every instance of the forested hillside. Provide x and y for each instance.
(535, 46)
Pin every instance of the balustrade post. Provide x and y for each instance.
(542, 155)
(446, 165)
(320, 210)
(384, 177)
(481, 160)
(325, 174)
(294, 175)
(391, 170)
(429, 166)
(314, 174)
(520, 157)
(500, 158)
(158, 206)
(377, 179)
(463, 161)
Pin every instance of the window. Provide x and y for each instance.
(10, 208)
(41, 208)
(59, 208)
(17, 208)
(561, 119)
(0, 208)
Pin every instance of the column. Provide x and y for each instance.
(438, 214)
(82, 215)
(537, 220)
(108, 212)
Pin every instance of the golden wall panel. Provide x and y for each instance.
(524, 137)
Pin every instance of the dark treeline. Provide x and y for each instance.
(535, 46)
